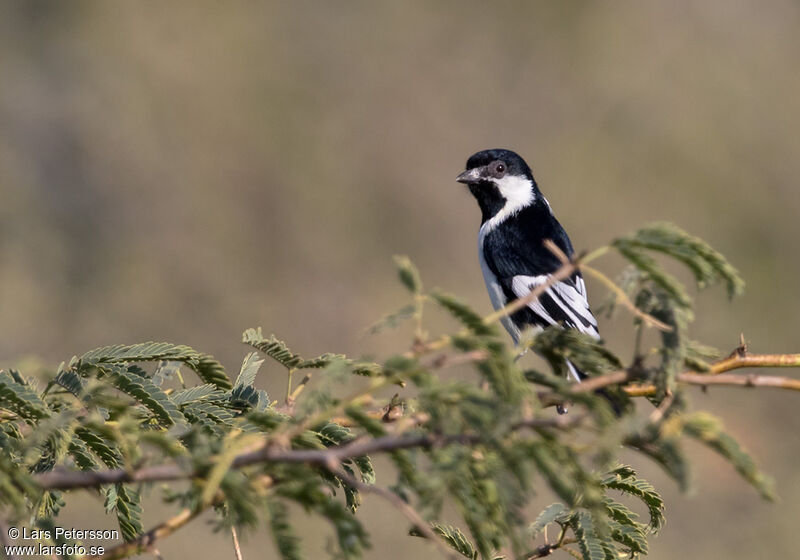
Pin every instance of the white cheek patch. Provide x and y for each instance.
(518, 192)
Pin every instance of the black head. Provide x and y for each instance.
(501, 181)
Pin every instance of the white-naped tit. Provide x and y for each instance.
(516, 219)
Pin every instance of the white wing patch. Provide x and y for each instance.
(571, 301)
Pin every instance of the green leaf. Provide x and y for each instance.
(590, 544)
(709, 430)
(286, 541)
(587, 353)
(469, 318)
(707, 265)
(272, 347)
(650, 268)
(392, 320)
(408, 273)
(211, 371)
(320, 361)
(145, 392)
(643, 490)
(205, 392)
(208, 415)
(142, 352)
(552, 513)
(129, 511)
(49, 505)
(106, 450)
(250, 367)
(206, 367)
(631, 536)
(280, 352)
(620, 513)
(69, 379)
(82, 456)
(364, 464)
(457, 540)
(21, 399)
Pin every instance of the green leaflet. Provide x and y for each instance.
(106, 450)
(709, 430)
(211, 371)
(457, 540)
(587, 353)
(632, 537)
(279, 351)
(641, 489)
(205, 392)
(250, 366)
(408, 273)
(469, 318)
(272, 347)
(213, 418)
(49, 505)
(392, 320)
(589, 542)
(648, 266)
(552, 513)
(620, 513)
(145, 392)
(707, 265)
(145, 351)
(21, 399)
(206, 367)
(286, 541)
(82, 456)
(129, 511)
(70, 380)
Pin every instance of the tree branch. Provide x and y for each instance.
(712, 377)
(148, 539)
(67, 479)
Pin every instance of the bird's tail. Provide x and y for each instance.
(615, 397)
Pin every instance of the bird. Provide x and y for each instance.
(516, 219)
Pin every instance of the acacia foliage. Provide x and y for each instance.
(480, 443)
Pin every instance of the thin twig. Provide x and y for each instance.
(237, 550)
(334, 466)
(289, 386)
(299, 389)
(548, 549)
(712, 377)
(621, 297)
(565, 271)
(658, 412)
(148, 539)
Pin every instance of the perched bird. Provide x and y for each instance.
(516, 219)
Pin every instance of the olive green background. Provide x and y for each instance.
(184, 170)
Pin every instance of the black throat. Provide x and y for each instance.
(489, 198)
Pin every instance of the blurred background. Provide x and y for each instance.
(184, 170)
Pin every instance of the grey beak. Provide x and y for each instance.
(470, 176)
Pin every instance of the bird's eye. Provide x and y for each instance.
(499, 168)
